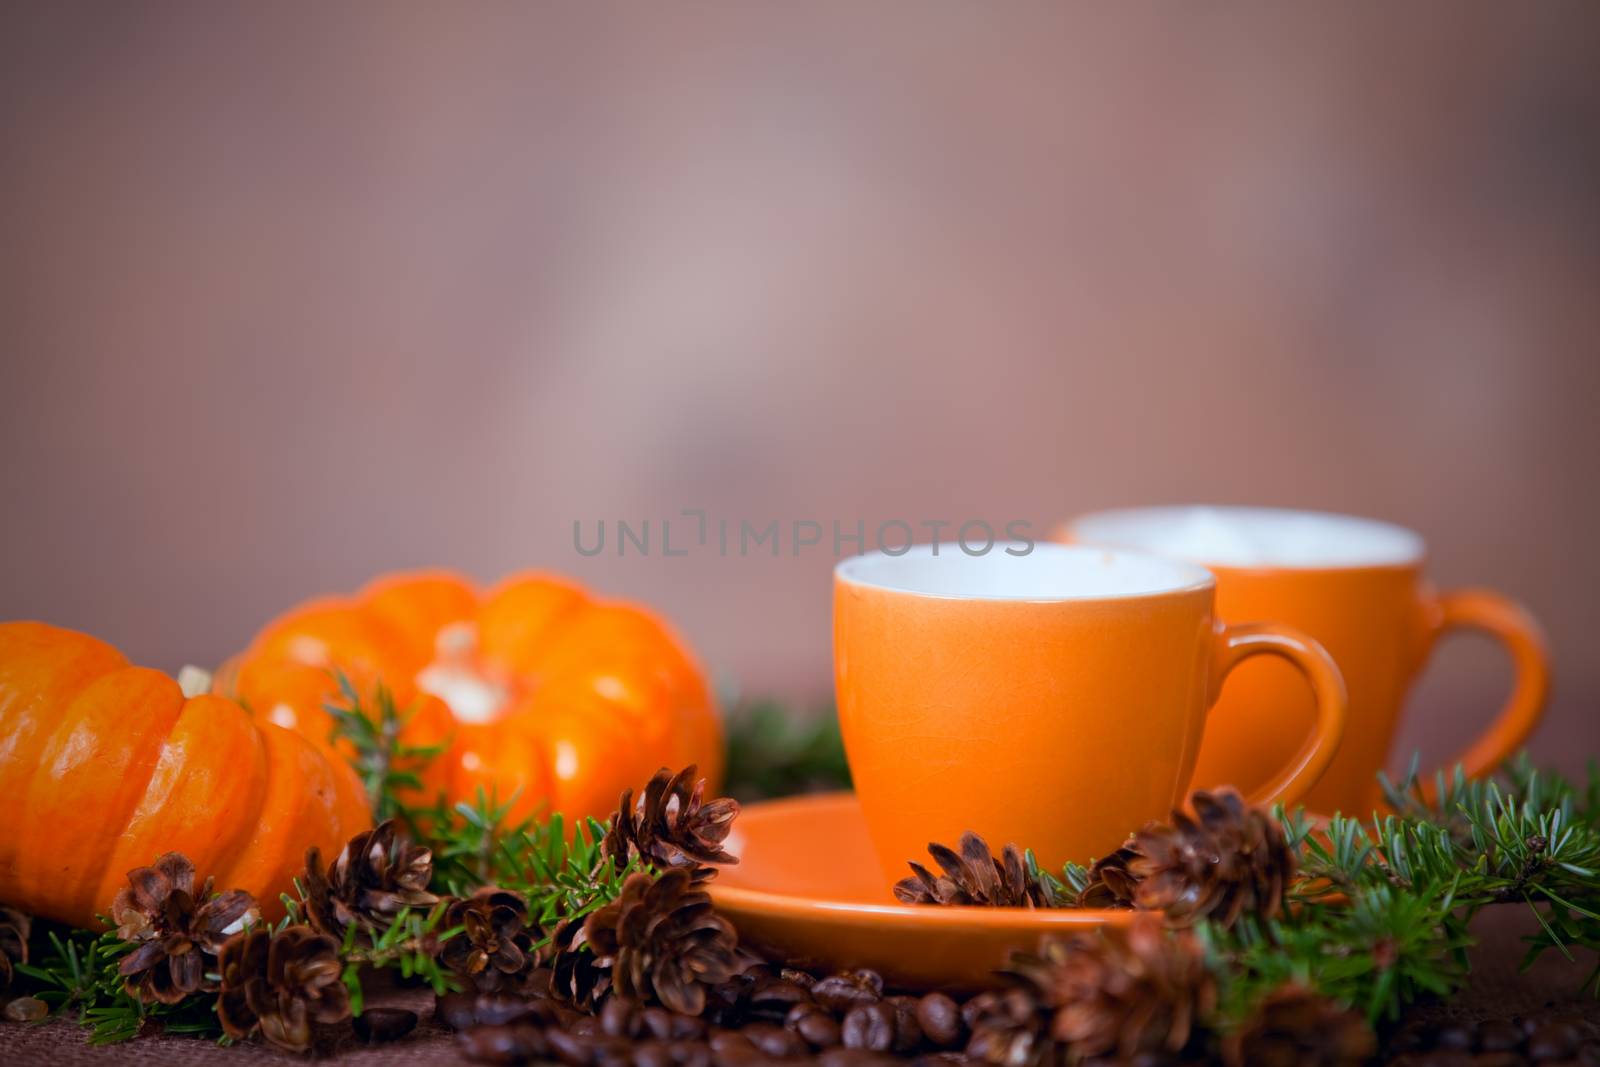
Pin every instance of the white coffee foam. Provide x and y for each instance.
(1252, 537)
(1046, 572)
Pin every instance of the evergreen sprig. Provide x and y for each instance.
(1380, 909)
(773, 752)
(388, 767)
(409, 944)
(79, 975)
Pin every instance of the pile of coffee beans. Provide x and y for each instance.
(1550, 1036)
(765, 1014)
(773, 1014)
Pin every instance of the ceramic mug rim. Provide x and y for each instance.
(1403, 548)
(1064, 574)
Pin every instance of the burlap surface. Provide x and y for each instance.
(1497, 990)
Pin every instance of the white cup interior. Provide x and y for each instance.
(1252, 537)
(1046, 572)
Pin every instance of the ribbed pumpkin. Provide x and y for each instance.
(541, 690)
(104, 766)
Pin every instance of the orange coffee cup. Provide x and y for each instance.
(1054, 698)
(1357, 586)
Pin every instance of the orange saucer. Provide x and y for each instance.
(808, 889)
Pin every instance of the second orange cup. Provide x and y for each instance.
(1054, 698)
(1359, 587)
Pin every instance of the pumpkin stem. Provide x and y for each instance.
(194, 681)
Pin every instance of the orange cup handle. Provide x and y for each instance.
(1238, 643)
(1506, 620)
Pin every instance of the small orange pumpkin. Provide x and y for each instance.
(105, 766)
(540, 690)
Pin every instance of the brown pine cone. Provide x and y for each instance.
(1111, 884)
(974, 877)
(662, 942)
(1123, 990)
(177, 932)
(279, 984)
(1296, 1026)
(577, 976)
(494, 948)
(14, 930)
(673, 825)
(377, 873)
(1228, 860)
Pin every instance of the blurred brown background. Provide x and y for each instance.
(297, 293)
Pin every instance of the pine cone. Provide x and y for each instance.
(1111, 884)
(688, 833)
(14, 930)
(1296, 1026)
(377, 873)
(1229, 859)
(279, 984)
(973, 877)
(1123, 990)
(494, 949)
(176, 931)
(577, 975)
(662, 942)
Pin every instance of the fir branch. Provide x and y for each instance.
(79, 977)
(774, 752)
(387, 766)
(410, 944)
(1384, 905)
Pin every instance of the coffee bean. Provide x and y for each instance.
(868, 1026)
(817, 1026)
(907, 1031)
(585, 1026)
(572, 1049)
(618, 1018)
(1552, 1041)
(736, 1056)
(455, 1011)
(384, 1024)
(26, 1009)
(657, 1022)
(773, 998)
(690, 1053)
(773, 1040)
(1498, 1035)
(652, 1054)
(980, 1006)
(1454, 1035)
(940, 1019)
(841, 992)
(497, 1008)
(730, 1040)
(799, 978)
(502, 1044)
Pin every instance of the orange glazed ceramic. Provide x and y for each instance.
(1055, 699)
(538, 689)
(1358, 587)
(808, 889)
(105, 766)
